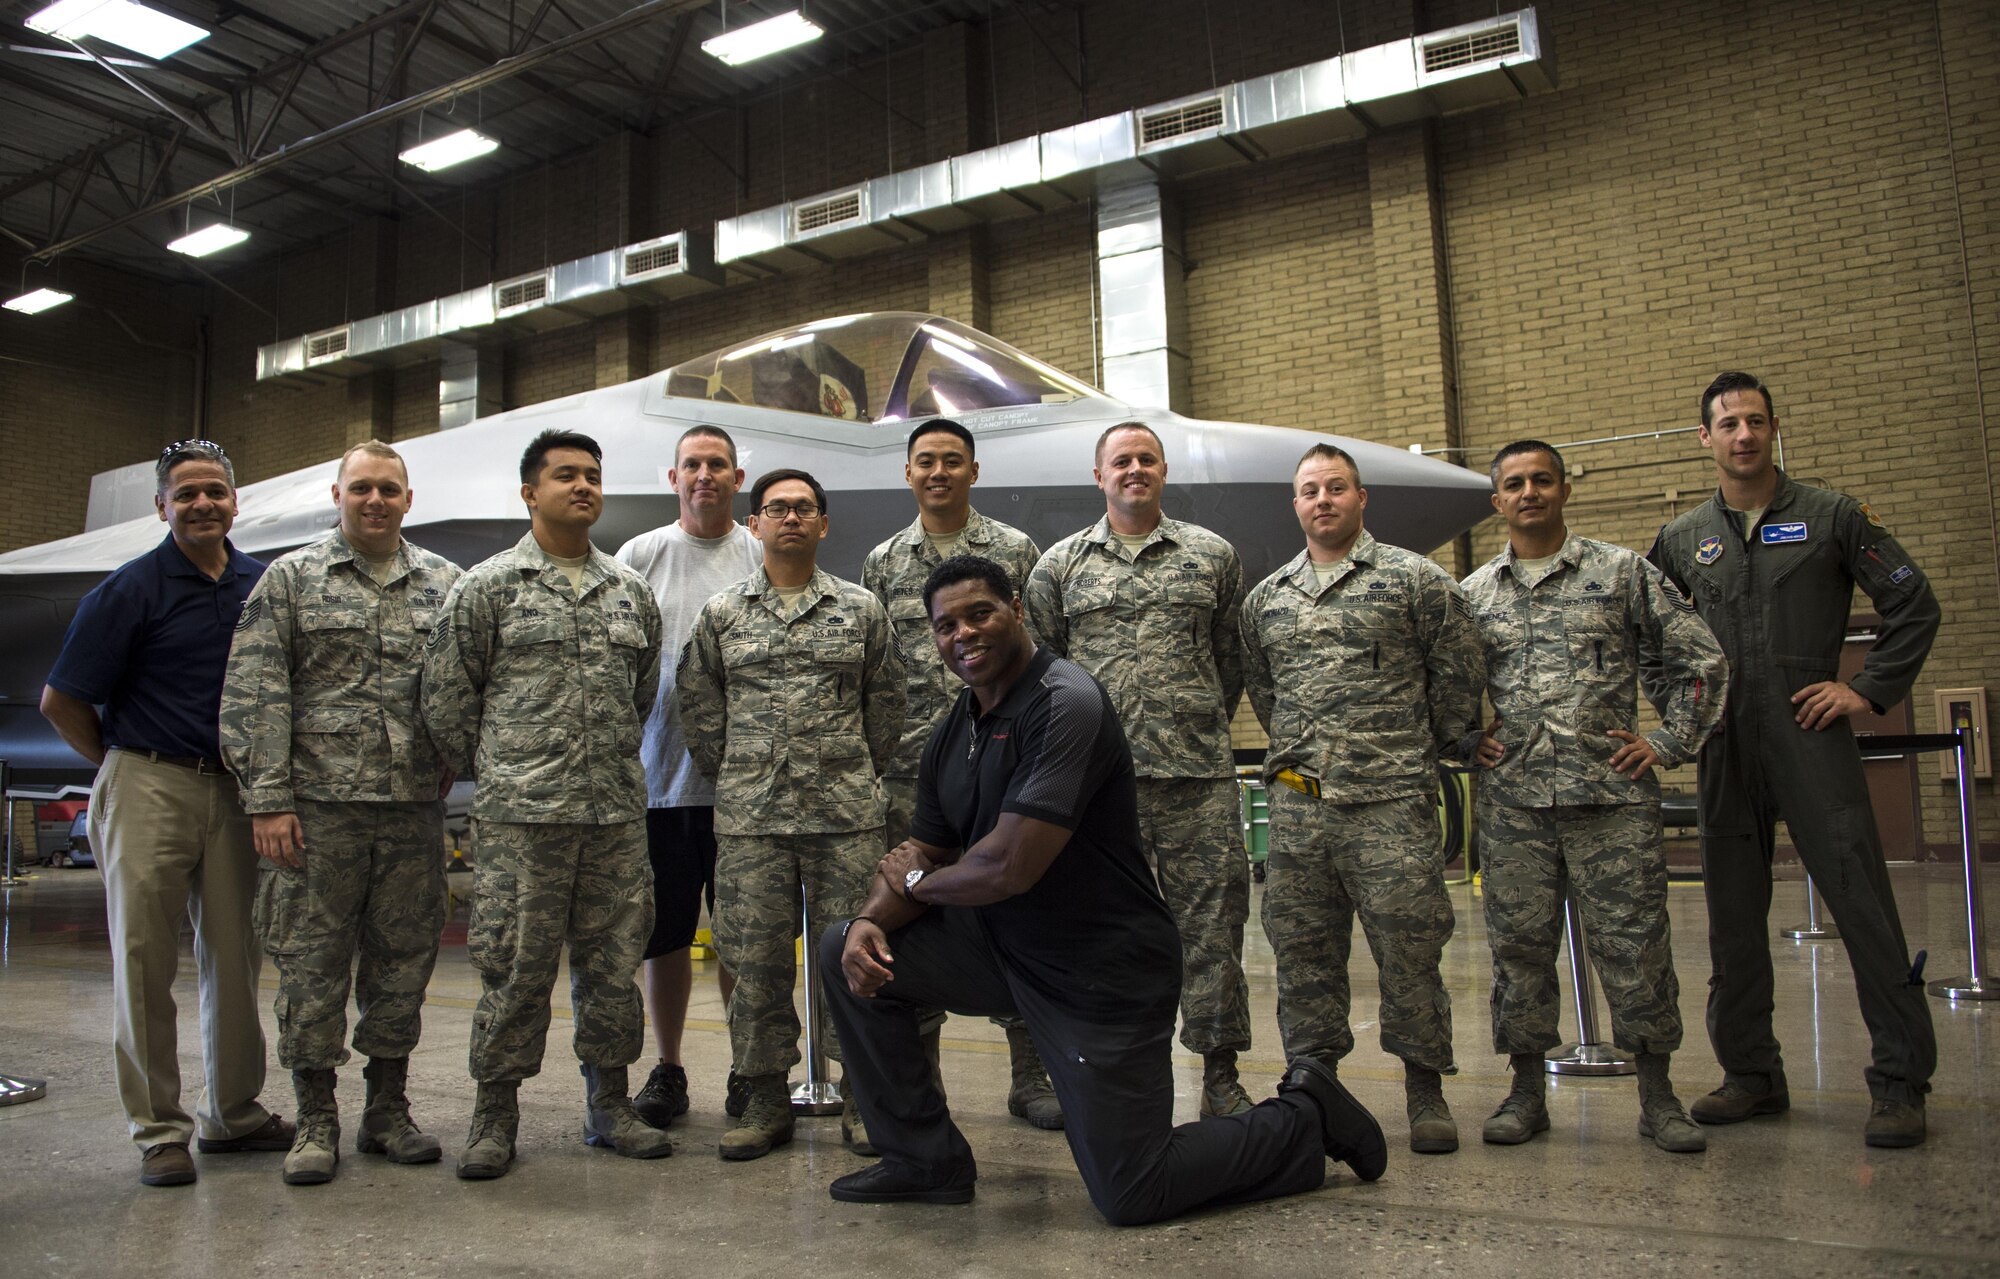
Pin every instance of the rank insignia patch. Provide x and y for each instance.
(248, 617)
(1709, 551)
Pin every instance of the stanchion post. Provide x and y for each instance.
(1589, 1055)
(1814, 929)
(818, 1095)
(15, 1089)
(6, 797)
(1976, 984)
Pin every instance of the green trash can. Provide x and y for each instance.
(1255, 804)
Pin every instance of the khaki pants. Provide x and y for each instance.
(175, 846)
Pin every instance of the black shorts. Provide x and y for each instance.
(680, 842)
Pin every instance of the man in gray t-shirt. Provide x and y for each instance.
(703, 552)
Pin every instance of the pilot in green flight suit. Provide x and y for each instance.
(1771, 565)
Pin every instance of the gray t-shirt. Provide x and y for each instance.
(685, 572)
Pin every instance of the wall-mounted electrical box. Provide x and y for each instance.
(1958, 707)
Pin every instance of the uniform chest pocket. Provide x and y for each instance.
(525, 632)
(846, 651)
(423, 617)
(740, 653)
(1596, 648)
(626, 632)
(1088, 599)
(332, 617)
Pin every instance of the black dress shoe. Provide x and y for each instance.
(1349, 1131)
(884, 1184)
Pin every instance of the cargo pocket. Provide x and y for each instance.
(494, 933)
(281, 913)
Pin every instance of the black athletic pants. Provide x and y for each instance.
(1115, 1083)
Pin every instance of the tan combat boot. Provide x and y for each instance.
(1032, 1097)
(496, 1122)
(1660, 1114)
(610, 1123)
(1522, 1112)
(1221, 1093)
(385, 1125)
(315, 1150)
(767, 1120)
(1432, 1129)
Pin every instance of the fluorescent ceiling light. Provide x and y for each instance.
(120, 22)
(37, 302)
(452, 148)
(772, 35)
(210, 239)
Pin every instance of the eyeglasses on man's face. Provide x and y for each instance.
(779, 510)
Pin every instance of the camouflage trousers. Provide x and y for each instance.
(1191, 828)
(902, 797)
(1609, 855)
(538, 885)
(1382, 861)
(758, 883)
(368, 902)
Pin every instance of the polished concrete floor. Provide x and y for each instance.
(1798, 1194)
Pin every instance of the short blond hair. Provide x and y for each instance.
(374, 448)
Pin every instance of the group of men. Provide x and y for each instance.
(998, 782)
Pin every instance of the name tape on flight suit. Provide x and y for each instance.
(1777, 534)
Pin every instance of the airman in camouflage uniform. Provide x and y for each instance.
(539, 679)
(1363, 665)
(320, 725)
(1148, 606)
(791, 694)
(1568, 801)
(941, 471)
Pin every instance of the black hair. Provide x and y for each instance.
(969, 568)
(947, 427)
(548, 441)
(768, 478)
(1520, 447)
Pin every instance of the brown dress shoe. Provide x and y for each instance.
(166, 1164)
(275, 1134)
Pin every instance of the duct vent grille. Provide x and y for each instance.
(1168, 123)
(654, 257)
(515, 294)
(330, 345)
(1474, 46)
(820, 214)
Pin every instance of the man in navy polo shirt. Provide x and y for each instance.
(1023, 890)
(149, 646)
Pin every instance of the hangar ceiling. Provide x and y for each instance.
(288, 118)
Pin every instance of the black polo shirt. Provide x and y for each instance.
(1093, 933)
(150, 645)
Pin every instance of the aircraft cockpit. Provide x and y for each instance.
(878, 367)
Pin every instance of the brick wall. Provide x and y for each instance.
(1714, 185)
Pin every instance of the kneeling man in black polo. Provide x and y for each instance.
(1023, 891)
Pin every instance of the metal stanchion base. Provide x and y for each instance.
(1964, 988)
(8, 881)
(1806, 932)
(816, 1099)
(14, 1089)
(1587, 1059)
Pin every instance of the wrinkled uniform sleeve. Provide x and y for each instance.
(1256, 663)
(256, 719)
(456, 662)
(882, 690)
(1902, 595)
(1682, 669)
(698, 689)
(1042, 599)
(646, 689)
(1226, 632)
(1454, 659)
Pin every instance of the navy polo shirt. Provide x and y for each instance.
(150, 645)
